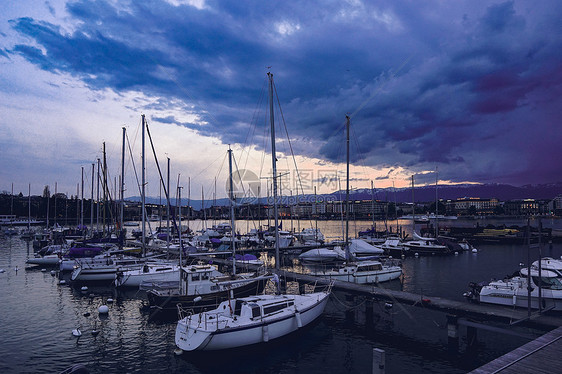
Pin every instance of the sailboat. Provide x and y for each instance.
(255, 319)
(203, 286)
(360, 272)
(421, 245)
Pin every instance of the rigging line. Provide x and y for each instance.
(208, 166)
(136, 176)
(250, 214)
(254, 121)
(166, 192)
(358, 153)
(290, 144)
(392, 75)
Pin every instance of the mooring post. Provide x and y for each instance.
(369, 310)
(453, 332)
(378, 361)
(471, 336)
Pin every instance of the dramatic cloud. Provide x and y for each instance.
(472, 88)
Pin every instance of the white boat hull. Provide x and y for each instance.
(48, 260)
(362, 277)
(260, 331)
(136, 277)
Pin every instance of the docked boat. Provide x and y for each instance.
(248, 320)
(360, 272)
(394, 246)
(310, 234)
(323, 254)
(358, 247)
(515, 291)
(426, 246)
(149, 272)
(103, 268)
(203, 287)
(550, 264)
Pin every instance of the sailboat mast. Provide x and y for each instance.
(143, 190)
(274, 168)
(81, 201)
(436, 204)
(92, 204)
(122, 207)
(179, 228)
(231, 198)
(373, 206)
(28, 208)
(98, 199)
(413, 208)
(347, 189)
(55, 200)
(168, 232)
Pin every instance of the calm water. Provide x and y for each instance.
(37, 316)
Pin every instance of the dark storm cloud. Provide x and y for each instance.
(456, 86)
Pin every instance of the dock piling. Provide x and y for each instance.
(378, 361)
(453, 332)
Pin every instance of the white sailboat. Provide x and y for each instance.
(249, 320)
(256, 319)
(360, 272)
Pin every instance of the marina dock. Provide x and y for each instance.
(541, 355)
(458, 309)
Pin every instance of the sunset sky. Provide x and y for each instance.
(470, 88)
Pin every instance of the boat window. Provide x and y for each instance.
(549, 283)
(274, 308)
(255, 311)
(205, 276)
(195, 277)
(238, 307)
(163, 269)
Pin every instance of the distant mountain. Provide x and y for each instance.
(502, 192)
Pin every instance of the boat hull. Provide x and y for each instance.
(261, 331)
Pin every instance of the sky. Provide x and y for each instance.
(455, 91)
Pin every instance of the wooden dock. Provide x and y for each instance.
(542, 355)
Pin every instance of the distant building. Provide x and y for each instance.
(475, 205)
(525, 207)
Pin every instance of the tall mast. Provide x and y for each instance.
(48, 203)
(121, 215)
(347, 189)
(28, 208)
(168, 211)
(413, 209)
(231, 198)
(203, 207)
(105, 189)
(373, 206)
(55, 201)
(81, 201)
(92, 204)
(436, 204)
(98, 198)
(274, 166)
(188, 202)
(179, 228)
(77, 204)
(142, 191)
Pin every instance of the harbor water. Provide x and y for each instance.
(37, 316)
